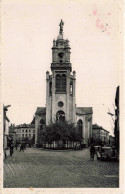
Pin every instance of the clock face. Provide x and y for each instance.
(61, 55)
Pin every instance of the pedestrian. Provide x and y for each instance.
(11, 149)
(16, 145)
(92, 152)
(24, 146)
(5, 155)
(21, 147)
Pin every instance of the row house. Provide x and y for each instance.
(25, 131)
(99, 134)
(12, 133)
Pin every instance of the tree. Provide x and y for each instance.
(60, 131)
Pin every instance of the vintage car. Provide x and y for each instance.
(106, 153)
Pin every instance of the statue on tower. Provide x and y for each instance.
(61, 27)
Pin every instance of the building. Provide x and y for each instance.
(6, 122)
(12, 133)
(111, 140)
(61, 93)
(24, 131)
(100, 135)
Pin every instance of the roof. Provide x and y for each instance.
(40, 110)
(25, 126)
(95, 126)
(33, 121)
(111, 136)
(84, 110)
(79, 110)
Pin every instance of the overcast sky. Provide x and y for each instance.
(28, 30)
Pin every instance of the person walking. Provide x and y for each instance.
(5, 155)
(22, 147)
(16, 145)
(11, 149)
(92, 152)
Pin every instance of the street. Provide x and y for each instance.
(58, 169)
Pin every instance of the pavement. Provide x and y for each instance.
(39, 168)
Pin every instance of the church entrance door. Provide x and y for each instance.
(60, 116)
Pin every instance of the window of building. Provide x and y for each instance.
(61, 83)
(58, 82)
(50, 88)
(29, 135)
(60, 116)
(29, 130)
(80, 126)
(71, 88)
(26, 131)
(22, 135)
(42, 124)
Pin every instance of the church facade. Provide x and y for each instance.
(61, 95)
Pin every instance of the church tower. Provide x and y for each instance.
(60, 85)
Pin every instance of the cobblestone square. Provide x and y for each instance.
(58, 169)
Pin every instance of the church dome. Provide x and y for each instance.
(60, 37)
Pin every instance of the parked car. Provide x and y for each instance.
(106, 153)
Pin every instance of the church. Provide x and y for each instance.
(61, 93)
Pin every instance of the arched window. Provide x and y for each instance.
(60, 116)
(71, 88)
(41, 124)
(63, 87)
(80, 126)
(58, 83)
(50, 88)
(61, 83)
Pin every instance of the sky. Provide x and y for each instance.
(28, 29)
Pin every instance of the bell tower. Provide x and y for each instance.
(60, 86)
